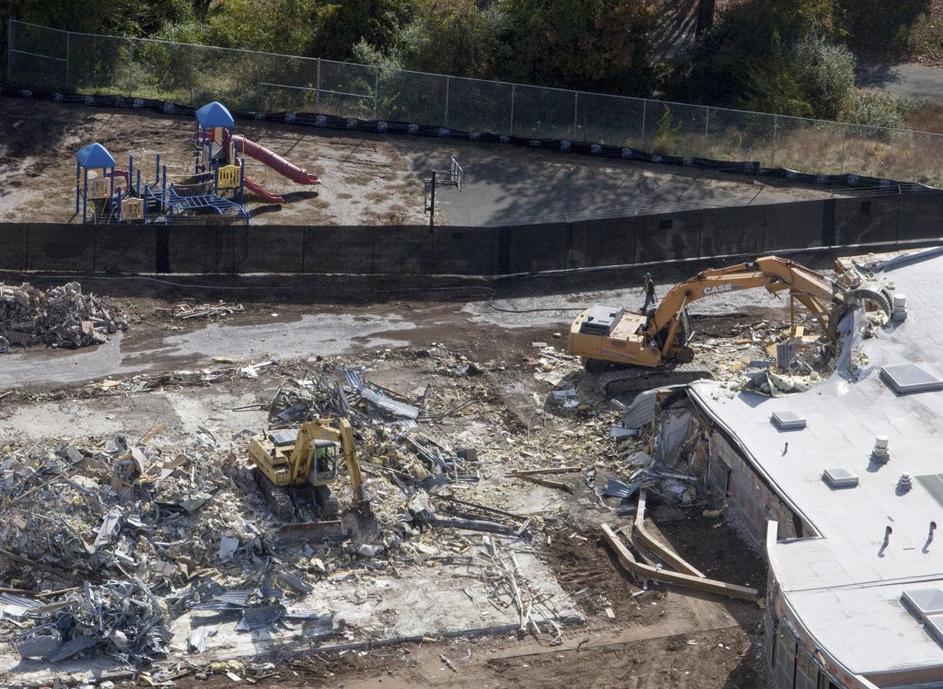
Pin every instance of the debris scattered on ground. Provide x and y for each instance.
(59, 317)
(207, 311)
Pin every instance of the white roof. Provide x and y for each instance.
(844, 588)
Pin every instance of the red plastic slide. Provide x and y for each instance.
(274, 161)
(261, 192)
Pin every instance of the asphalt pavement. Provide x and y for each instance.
(912, 80)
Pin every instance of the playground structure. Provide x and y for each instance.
(217, 148)
(106, 194)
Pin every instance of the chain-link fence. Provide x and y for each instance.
(188, 74)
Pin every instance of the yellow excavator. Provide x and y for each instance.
(295, 469)
(605, 336)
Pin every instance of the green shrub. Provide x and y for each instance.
(825, 73)
(875, 109)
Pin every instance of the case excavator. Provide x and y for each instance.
(295, 469)
(652, 348)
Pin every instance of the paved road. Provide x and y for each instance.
(513, 185)
(918, 81)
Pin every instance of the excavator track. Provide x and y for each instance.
(277, 498)
(628, 381)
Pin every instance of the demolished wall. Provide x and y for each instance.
(749, 502)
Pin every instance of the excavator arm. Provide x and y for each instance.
(810, 288)
(361, 499)
(335, 430)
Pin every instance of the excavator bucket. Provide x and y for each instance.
(332, 530)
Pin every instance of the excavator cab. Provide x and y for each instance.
(324, 462)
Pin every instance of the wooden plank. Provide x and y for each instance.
(546, 482)
(637, 569)
(664, 553)
(538, 472)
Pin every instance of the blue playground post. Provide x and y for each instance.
(137, 189)
(120, 196)
(157, 170)
(111, 186)
(163, 190)
(130, 171)
(78, 177)
(84, 194)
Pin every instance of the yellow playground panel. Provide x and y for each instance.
(132, 209)
(229, 177)
(99, 188)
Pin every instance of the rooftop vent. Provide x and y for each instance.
(787, 420)
(905, 379)
(927, 606)
(840, 477)
(934, 625)
(933, 484)
(923, 602)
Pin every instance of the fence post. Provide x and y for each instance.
(259, 102)
(513, 88)
(448, 80)
(644, 115)
(913, 156)
(844, 138)
(317, 85)
(129, 87)
(376, 93)
(576, 115)
(775, 135)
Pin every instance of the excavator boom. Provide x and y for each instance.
(616, 336)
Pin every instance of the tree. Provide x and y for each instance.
(584, 44)
(705, 16)
(452, 37)
(278, 26)
(344, 24)
(774, 56)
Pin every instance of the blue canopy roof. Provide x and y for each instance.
(94, 156)
(215, 114)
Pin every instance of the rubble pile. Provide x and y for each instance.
(120, 539)
(107, 542)
(59, 317)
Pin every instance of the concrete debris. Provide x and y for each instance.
(208, 311)
(553, 366)
(228, 545)
(198, 636)
(59, 317)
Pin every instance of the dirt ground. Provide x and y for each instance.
(630, 637)
(366, 179)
